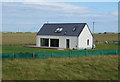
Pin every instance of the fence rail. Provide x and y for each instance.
(60, 54)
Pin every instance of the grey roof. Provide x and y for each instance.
(49, 29)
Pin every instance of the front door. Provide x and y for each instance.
(67, 43)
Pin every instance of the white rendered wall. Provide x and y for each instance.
(83, 37)
(62, 40)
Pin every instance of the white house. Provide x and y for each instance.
(65, 35)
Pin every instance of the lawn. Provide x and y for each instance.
(103, 46)
(22, 49)
(80, 68)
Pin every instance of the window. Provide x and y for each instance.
(44, 42)
(54, 42)
(88, 42)
(74, 29)
(58, 30)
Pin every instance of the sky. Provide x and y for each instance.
(30, 16)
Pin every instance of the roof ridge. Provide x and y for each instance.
(65, 23)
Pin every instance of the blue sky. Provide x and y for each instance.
(27, 16)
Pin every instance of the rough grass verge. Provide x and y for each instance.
(77, 68)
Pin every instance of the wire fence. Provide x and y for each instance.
(60, 54)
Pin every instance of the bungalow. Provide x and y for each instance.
(65, 35)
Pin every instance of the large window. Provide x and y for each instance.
(88, 42)
(44, 42)
(54, 42)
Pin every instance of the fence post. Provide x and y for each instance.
(101, 52)
(116, 52)
(13, 56)
(33, 55)
(86, 52)
(51, 54)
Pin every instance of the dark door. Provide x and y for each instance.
(67, 43)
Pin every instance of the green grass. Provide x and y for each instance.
(106, 37)
(22, 49)
(80, 68)
(111, 46)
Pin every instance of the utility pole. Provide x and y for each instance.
(93, 27)
(18, 29)
(93, 36)
(47, 21)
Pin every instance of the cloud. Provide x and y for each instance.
(27, 14)
(58, 6)
(59, 0)
(46, 9)
(53, 10)
(34, 1)
(115, 13)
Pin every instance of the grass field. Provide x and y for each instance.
(106, 37)
(14, 43)
(81, 68)
(30, 38)
(19, 39)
